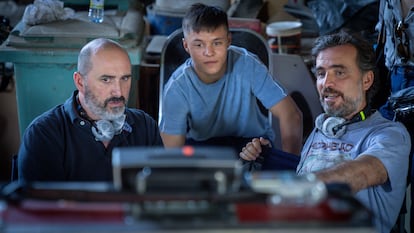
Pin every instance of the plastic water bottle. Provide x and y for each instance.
(96, 11)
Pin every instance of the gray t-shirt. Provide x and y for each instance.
(227, 107)
(387, 140)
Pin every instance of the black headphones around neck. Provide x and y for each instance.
(335, 127)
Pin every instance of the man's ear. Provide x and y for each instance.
(368, 80)
(79, 81)
(229, 38)
(185, 45)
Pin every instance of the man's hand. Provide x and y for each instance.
(253, 149)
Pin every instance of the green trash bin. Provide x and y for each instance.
(45, 57)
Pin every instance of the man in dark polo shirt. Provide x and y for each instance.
(74, 140)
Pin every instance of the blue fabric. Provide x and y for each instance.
(275, 159)
(59, 145)
(403, 77)
(390, 14)
(270, 158)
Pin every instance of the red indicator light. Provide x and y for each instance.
(188, 151)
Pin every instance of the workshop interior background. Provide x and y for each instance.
(359, 15)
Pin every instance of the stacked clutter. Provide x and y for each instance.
(48, 24)
(46, 11)
(165, 16)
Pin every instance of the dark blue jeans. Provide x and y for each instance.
(403, 77)
(270, 159)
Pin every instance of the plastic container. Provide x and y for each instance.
(96, 11)
(285, 36)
